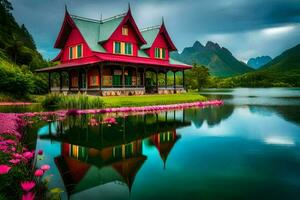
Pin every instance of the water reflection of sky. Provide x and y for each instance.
(243, 123)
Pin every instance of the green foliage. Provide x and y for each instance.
(197, 77)
(78, 101)
(20, 82)
(16, 42)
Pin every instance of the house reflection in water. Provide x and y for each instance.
(94, 157)
(164, 143)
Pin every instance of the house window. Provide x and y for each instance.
(117, 47)
(160, 53)
(94, 81)
(124, 30)
(75, 51)
(123, 48)
(128, 48)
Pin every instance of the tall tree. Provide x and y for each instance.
(197, 76)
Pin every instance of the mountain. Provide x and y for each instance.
(219, 60)
(288, 61)
(282, 71)
(257, 62)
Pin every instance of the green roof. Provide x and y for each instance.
(97, 176)
(176, 62)
(95, 31)
(149, 35)
(142, 53)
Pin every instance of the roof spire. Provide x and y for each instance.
(129, 9)
(101, 18)
(162, 20)
(66, 9)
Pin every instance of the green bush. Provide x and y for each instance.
(15, 82)
(77, 101)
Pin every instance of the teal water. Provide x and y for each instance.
(249, 148)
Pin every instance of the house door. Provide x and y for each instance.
(117, 80)
(128, 78)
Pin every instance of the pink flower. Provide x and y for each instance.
(10, 142)
(14, 161)
(28, 155)
(28, 196)
(39, 172)
(27, 185)
(45, 167)
(4, 169)
(17, 155)
(40, 152)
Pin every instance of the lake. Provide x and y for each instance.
(249, 148)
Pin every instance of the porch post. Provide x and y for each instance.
(101, 80)
(60, 81)
(156, 81)
(183, 81)
(144, 74)
(86, 79)
(174, 81)
(166, 79)
(49, 82)
(123, 77)
(78, 79)
(70, 80)
(136, 76)
(99, 76)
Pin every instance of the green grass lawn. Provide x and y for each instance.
(144, 100)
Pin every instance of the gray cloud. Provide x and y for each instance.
(235, 24)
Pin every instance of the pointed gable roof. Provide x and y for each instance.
(65, 30)
(151, 33)
(128, 18)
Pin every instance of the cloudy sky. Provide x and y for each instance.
(248, 28)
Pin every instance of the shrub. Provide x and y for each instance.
(78, 101)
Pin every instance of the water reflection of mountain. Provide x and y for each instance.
(95, 157)
(289, 113)
(212, 115)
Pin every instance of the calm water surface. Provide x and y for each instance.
(248, 148)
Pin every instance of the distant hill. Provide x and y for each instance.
(219, 60)
(288, 61)
(257, 62)
(282, 71)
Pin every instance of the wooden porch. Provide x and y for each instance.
(115, 79)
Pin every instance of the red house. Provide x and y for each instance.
(113, 57)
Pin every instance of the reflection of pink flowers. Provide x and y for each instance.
(110, 120)
(40, 152)
(39, 172)
(27, 185)
(45, 167)
(4, 169)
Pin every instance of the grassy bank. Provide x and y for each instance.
(80, 101)
(145, 100)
